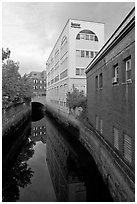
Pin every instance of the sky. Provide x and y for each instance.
(31, 29)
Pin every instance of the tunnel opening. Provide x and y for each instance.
(37, 111)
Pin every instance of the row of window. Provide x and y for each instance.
(38, 81)
(61, 103)
(56, 79)
(80, 71)
(127, 144)
(84, 36)
(127, 73)
(40, 127)
(79, 53)
(58, 90)
(115, 74)
(39, 133)
(39, 87)
(127, 141)
(86, 53)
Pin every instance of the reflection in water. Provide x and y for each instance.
(41, 188)
(16, 174)
(49, 159)
(73, 172)
(38, 131)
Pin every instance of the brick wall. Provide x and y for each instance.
(114, 104)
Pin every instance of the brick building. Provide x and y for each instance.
(111, 91)
(38, 82)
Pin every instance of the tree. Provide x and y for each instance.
(76, 99)
(14, 87)
(10, 80)
(5, 54)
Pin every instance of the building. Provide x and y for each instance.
(77, 44)
(111, 91)
(38, 131)
(38, 83)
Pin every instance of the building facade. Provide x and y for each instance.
(77, 44)
(38, 80)
(111, 91)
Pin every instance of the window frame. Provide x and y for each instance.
(127, 69)
(115, 76)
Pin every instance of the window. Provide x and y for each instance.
(35, 81)
(127, 148)
(128, 69)
(116, 138)
(78, 53)
(63, 74)
(80, 71)
(87, 54)
(87, 37)
(96, 82)
(96, 39)
(78, 37)
(82, 53)
(81, 36)
(115, 75)
(77, 71)
(96, 122)
(91, 37)
(96, 53)
(100, 80)
(101, 126)
(91, 54)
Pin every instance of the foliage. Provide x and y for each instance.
(17, 175)
(76, 99)
(14, 87)
(5, 54)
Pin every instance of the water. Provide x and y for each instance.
(50, 165)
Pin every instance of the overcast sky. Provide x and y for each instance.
(30, 29)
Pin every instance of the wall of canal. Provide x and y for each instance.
(118, 177)
(13, 117)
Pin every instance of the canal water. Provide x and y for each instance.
(50, 165)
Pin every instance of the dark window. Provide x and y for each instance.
(91, 54)
(100, 80)
(77, 71)
(82, 53)
(96, 82)
(87, 54)
(96, 39)
(78, 37)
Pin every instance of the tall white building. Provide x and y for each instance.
(77, 45)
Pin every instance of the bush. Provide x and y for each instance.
(76, 99)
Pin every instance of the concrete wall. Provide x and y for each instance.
(66, 60)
